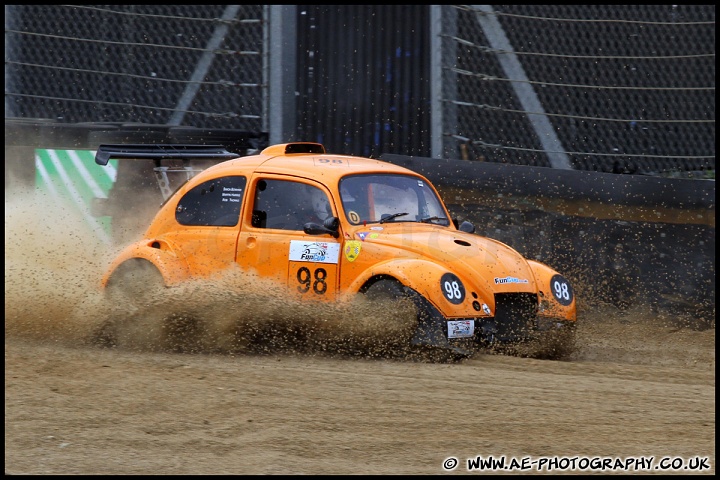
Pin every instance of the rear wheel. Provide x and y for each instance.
(130, 289)
(135, 280)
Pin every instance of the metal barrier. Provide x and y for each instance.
(623, 239)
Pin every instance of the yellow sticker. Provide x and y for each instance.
(352, 249)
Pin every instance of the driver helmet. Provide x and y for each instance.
(320, 203)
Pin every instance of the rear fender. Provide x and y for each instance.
(557, 297)
(159, 253)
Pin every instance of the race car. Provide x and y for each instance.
(333, 228)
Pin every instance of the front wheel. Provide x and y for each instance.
(403, 306)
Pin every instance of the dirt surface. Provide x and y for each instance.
(640, 384)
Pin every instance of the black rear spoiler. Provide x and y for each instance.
(162, 151)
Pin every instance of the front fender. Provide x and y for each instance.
(425, 278)
(158, 252)
(557, 297)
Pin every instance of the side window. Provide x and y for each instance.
(213, 203)
(288, 205)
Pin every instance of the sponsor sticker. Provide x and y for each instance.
(500, 281)
(321, 252)
(363, 235)
(461, 328)
(352, 249)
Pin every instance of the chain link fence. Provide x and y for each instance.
(199, 65)
(613, 88)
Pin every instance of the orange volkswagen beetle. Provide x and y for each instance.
(328, 227)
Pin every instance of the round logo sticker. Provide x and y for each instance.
(452, 288)
(353, 217)
(561, 289)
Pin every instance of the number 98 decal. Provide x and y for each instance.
(452, 288)
(561, 289)
(318, 280)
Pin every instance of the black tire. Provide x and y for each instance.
(394, 324)
(137, 280)
(386, 290)
(131, 288)
(392, 295)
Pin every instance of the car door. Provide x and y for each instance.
(274, 246)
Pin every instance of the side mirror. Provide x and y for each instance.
(333, 223)
(329, 226)
(467, 227)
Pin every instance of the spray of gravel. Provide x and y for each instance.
(53, 266)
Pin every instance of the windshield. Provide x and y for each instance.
(390, 198)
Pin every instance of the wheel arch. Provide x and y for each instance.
(420, 275)
(156, 253)
(375, 279)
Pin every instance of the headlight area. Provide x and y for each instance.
(556, 302)
(454, 291)
(517, 317)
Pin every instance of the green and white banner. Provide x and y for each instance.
(73, 177)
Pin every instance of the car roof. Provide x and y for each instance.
(316, 164)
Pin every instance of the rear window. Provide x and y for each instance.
(213, 203)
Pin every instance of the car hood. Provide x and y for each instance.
(485, 262)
